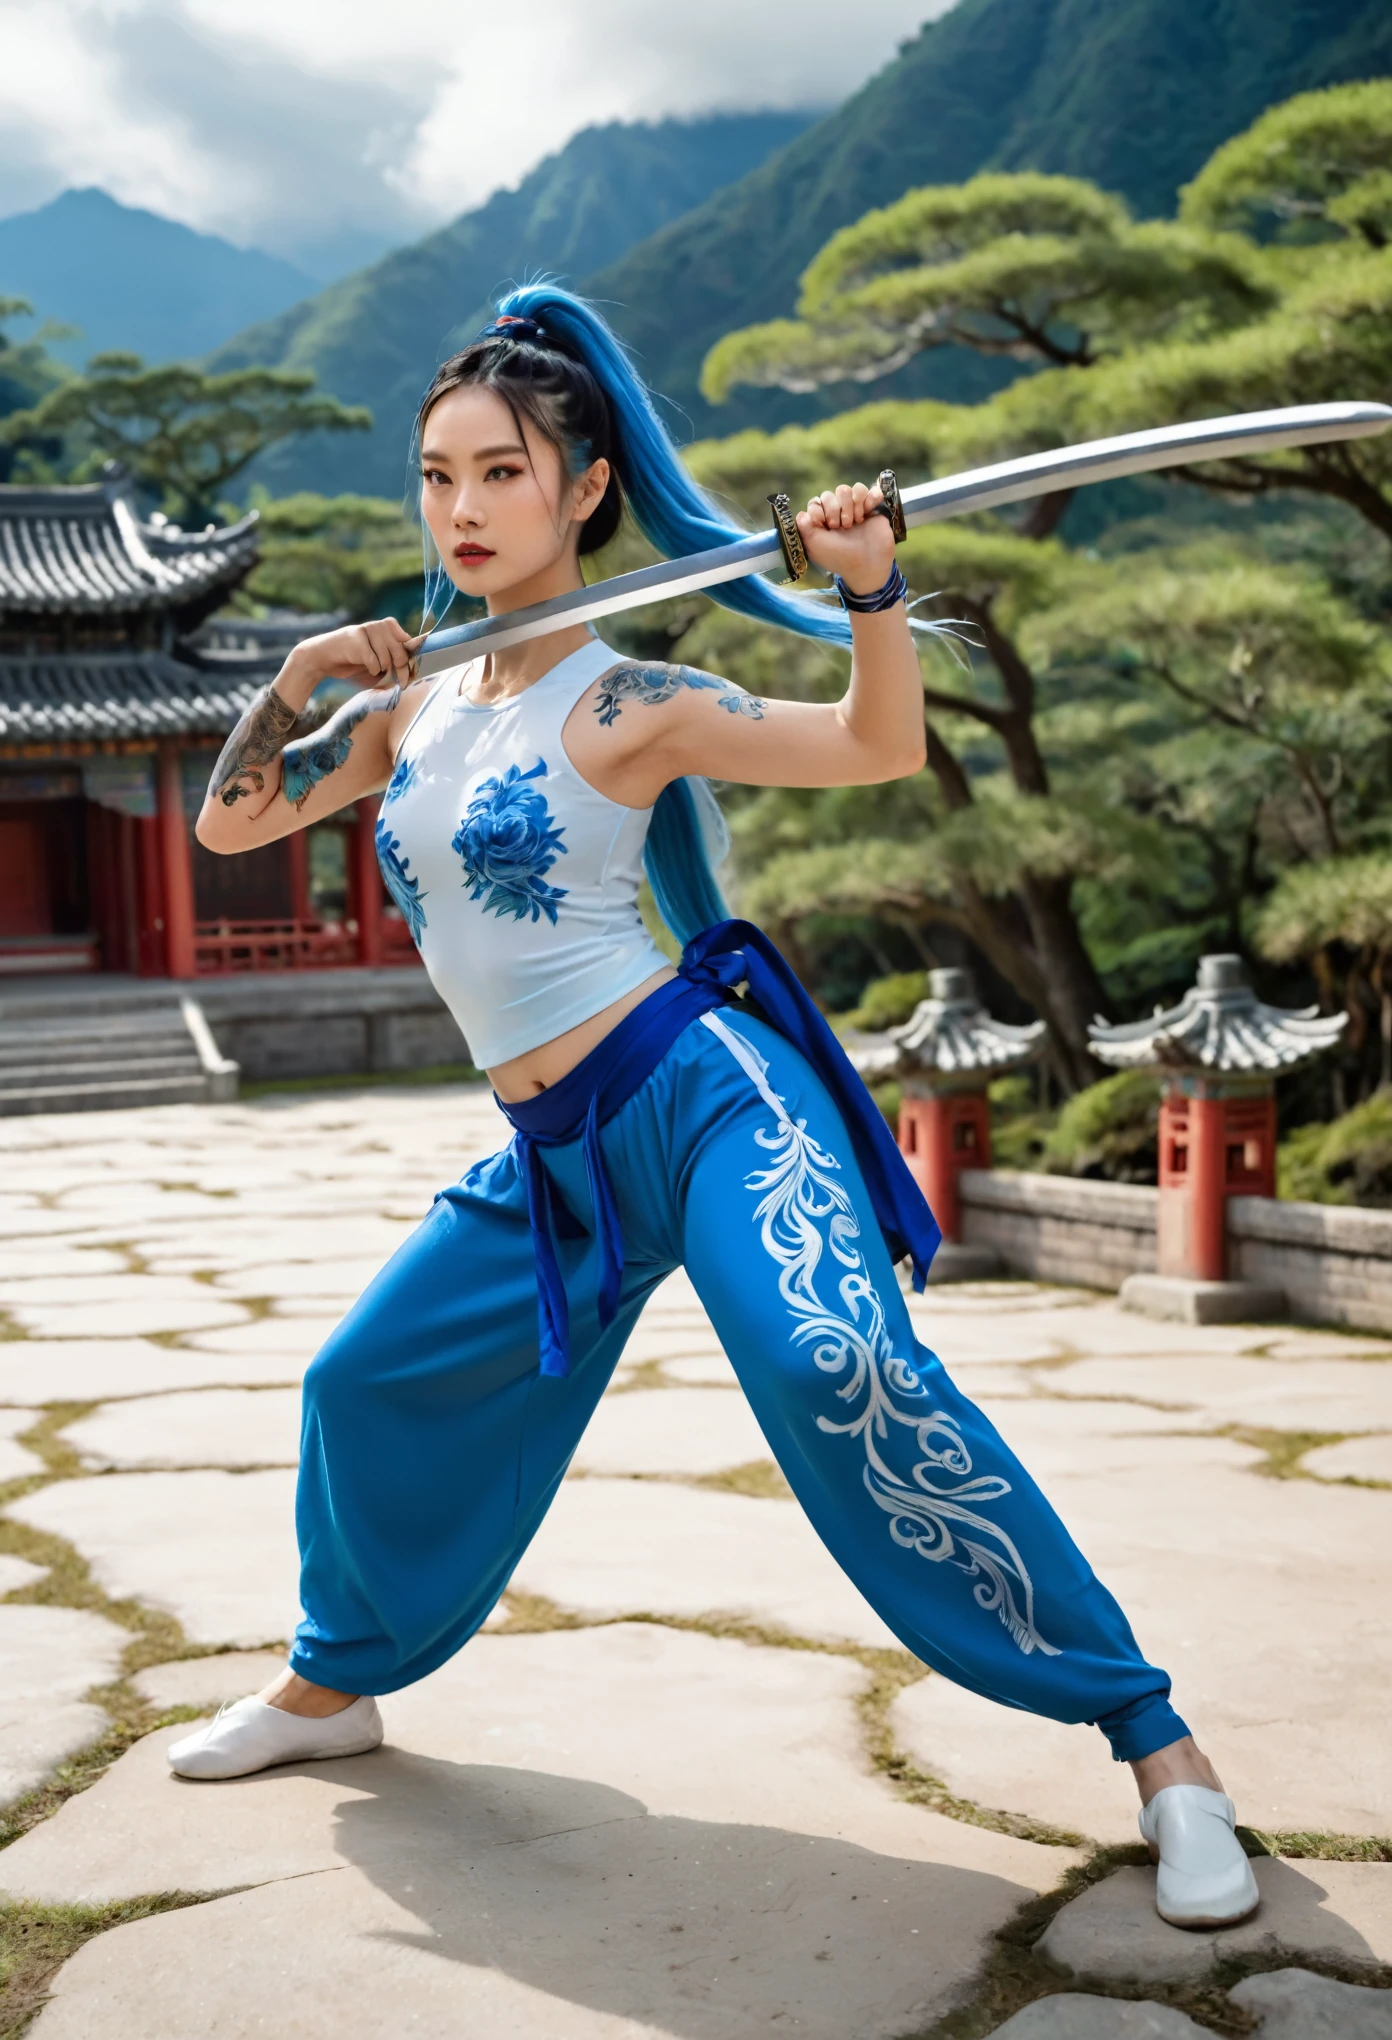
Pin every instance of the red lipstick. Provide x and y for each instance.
(470, 555)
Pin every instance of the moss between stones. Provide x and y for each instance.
(36, 1940)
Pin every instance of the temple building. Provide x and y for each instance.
(116, 693)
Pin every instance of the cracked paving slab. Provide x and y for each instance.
(36, 1371)
(611, 1546)
(1333, 1395)
(1330, 1913)
(573, 1836)
(673, 1431)
(50, 1658)
(143, 1304)
(216, 1550)
(234, 1427)
(16, 1462)
(1354, 1459)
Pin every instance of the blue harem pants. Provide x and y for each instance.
(432, 1444)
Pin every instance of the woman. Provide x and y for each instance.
(660, 1119)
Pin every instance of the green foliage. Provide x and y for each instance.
(1318, 166)
(184, 435)
(27, 373)
(357, 553)
(1348, 1161)
(1111, 1129)
(1036, 269)
(1272, 657)
(1020, 1126)
(887, 1001)
(1346, 900)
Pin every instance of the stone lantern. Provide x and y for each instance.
(1221, 1051)
(944, 1056)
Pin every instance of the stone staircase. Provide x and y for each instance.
(90, 1053)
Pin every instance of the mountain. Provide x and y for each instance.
(129, 279)
(1135, 94)
(376, 337)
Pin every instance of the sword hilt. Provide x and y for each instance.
(892, 507)
(790, 538)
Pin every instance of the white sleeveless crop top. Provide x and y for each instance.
(517, 879)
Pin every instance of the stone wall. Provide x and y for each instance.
(1061, 1228)
(1333, 1262)
(330, 1023)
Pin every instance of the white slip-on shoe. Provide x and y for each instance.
(248, 1735)
(1204, 1878)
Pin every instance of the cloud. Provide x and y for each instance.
(324, 131)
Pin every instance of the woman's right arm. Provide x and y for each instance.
(270, 781)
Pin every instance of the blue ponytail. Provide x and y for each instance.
(669, 509)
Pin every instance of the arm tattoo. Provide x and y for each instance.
(257, 739)
(657, 683)
(303, 765)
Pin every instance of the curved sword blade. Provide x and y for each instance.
(988, 488)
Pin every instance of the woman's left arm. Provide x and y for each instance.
(652, 723)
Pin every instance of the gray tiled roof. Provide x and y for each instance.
(83, 551)
(74, 697)
(1219, 1025)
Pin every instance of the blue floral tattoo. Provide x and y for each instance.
(507, 843)
(303, 765)
(652, 684)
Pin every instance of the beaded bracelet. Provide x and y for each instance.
(894, 590)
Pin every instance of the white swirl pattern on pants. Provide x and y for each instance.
(804, 1213)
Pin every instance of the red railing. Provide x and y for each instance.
(221, 947)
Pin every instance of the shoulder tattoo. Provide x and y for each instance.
(304, 764)
(650, 684)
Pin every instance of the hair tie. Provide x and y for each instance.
(513, 326)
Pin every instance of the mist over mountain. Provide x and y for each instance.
(377, 336)
(1134, 94)
(129, 279)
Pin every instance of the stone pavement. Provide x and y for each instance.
(687, 1783)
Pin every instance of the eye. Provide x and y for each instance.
(501, 469)
(434, 476)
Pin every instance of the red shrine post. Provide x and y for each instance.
(1221, 1052)
(945, 1056)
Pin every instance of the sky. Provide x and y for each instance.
(326, 130)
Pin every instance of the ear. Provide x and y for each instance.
(589, 491)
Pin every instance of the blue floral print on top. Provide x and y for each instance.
(400, 781)
(507, 843)
(404, 889)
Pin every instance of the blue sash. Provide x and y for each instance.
(732, 954)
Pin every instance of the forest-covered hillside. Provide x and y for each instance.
(1132, 93)
(126, 278)
(375, 337)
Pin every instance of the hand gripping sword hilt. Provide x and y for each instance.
(790, 538)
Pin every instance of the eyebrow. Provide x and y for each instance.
(430, 453)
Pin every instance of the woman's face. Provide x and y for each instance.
(497, 497)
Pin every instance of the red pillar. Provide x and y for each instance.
(367, 884)
(178, 865)
(939, 1136)
(1212, 1147)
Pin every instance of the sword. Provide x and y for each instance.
(986, 488)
